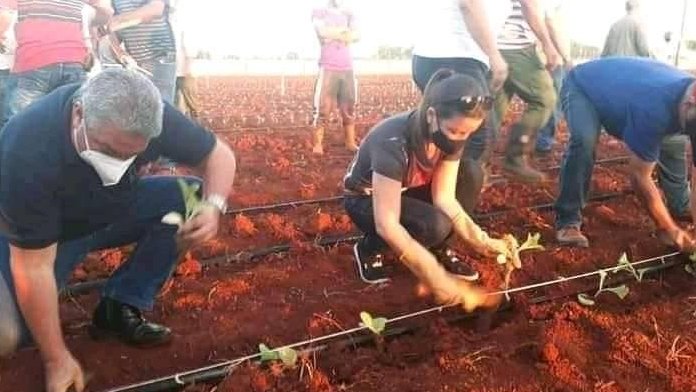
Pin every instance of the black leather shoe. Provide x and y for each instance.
(113, 319)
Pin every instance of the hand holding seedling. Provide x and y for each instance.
(201, 220)
(511, 258)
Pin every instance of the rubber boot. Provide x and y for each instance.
(516, 158)
(318, 141)
(470, 180)
(350, 138)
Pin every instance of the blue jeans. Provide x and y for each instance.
(139, 279)
(584, 127)
(32, 85)
(163, 72)
(547, 134)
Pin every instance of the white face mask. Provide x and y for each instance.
(109, 169)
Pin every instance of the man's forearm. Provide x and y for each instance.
(652, 199)
(534, 16)
(37, 297)
(413, 255)
(150, 11)
(104, 11)
(476, 20)
(560, 41)
(218, 170)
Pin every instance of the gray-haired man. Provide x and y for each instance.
(68, 186)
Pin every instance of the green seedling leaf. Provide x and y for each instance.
(501, 259)
(602, 279)
(624, 264)
(532, 243)
(586, 300)
(267, 354)
(288, 356)
(693, 257)
(190, 196)
(376, 325)
(642, 272)
(620, 291)
(690, 269)
(173, 218)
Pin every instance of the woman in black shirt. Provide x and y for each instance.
(400, 189)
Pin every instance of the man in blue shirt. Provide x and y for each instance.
(68, 186)
(644, 103)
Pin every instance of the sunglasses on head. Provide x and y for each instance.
(469, 104)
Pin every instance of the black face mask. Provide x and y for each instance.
(445, 144)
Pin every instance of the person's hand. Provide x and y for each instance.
(499, 72)
(683, 241)
(200, 228)
(553, 58)
(63, 374)
(449, 290)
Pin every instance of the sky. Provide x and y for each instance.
(275, 27)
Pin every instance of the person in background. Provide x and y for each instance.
(144, 28)
(641, 102)
(51, 49)
(336, 85)
(400, 189)
(185, 83)
(530, 80)
(668, 50)
(80, 147)
(555, 23)
(460, 35)
(8, 45)
(627, 36)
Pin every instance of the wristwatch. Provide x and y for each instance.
(217, 201)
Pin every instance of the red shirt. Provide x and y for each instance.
(48, 32)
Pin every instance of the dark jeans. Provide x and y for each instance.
(424, 222)
(547, 134)
(163, 72)
(584, 127)
(139, 279)
(471, 172)
(32, 85)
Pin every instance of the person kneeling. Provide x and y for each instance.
(419, 152)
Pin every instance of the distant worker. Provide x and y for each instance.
(183, 97)
(556, 24)
(529, 79)
(627, 36)
(336, 84)
(641, 102)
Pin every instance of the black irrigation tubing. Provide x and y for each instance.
(331, 199)
(86, 287)
(217, 372)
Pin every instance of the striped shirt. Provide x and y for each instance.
(48, 32)
(147, 41)
(516, 32)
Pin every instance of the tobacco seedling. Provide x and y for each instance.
(514, 262)
(192, 202)
(691, 268)
(376, 325)
(624, 264)
(286, 355)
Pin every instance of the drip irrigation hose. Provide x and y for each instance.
(220, 370)
(331, 199)
(85, 287)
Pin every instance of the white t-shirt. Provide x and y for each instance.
(443, 32)
(183, 45)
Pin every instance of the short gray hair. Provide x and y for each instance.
(122, 99)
